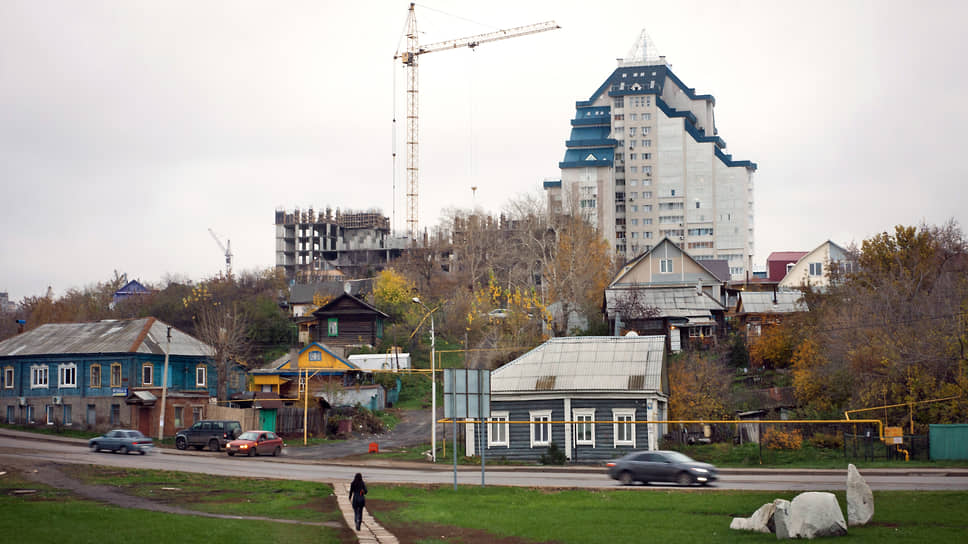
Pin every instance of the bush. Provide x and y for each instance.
(827, 441)
(553, 456)
(778, 439)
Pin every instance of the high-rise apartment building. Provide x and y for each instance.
(644, 161)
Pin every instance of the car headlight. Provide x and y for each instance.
(243, 446)
(697, 469)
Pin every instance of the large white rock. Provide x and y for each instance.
(860, 499)
(781, 519)
(761, 521)
(814, 514)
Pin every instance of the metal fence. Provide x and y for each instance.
(869, 447)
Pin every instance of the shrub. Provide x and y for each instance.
(553, 456)
(828, 441)
(778, 439)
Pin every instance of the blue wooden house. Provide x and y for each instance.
(591, 396)
(107, 374)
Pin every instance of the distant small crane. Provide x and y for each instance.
(227, 248)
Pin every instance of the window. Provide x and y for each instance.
(95, 376)
(10, 415)
(115, 374)
(789, 267)
(646, 143)
(49, 413)
(635, 221)
(635, 117)
(200, 374)
(179, 415)
(67, 414)
(146, 374)
(647, 234)
(115, 414)
(647, 170)
(196, 413)
(540, 428)
(38, 376)
(665, 266)
(646, 116)
(623, 428)
(332, 327)
(497, 429)
(619, 101)
(646, 156)
(645, 130)
(704, 331)
(584, 429)
(816, 269)
(8, 377)
(631, 131)
(30, 413)
(67, 375)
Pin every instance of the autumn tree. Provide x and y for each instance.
(224, 327)
(699, 386)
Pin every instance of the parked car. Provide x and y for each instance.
(122, 441)
(661, 466)
(256, 443)
(214, 433)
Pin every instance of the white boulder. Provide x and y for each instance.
(814, 514)
(860, 499)
(761, 521)
(781, 519)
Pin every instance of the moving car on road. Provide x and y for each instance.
(256, 443)
(661, 466)
(122, 441)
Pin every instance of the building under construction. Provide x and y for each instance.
(315, 246)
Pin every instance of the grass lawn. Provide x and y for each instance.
(620, 516)
(54, 515)
(431, 513)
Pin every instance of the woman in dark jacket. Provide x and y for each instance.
(358, 498)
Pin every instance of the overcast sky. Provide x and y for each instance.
(129, 128)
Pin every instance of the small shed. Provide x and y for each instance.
(348, 321)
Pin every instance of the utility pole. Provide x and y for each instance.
(164, 389)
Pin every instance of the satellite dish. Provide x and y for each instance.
(631, 333)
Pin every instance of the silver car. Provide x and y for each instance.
(661, 466)
(122, 441)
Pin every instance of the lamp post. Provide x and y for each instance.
(433, 384)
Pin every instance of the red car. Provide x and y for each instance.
(256, 443)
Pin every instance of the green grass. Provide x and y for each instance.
(431, 513)
(627, 516)
(55, 515)
(278, 499)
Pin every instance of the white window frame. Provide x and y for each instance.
(578, 414)
(39, 376)
(8, 377)
(201, 376)
(68, 415)
(619, 414)
(665, 266)
(150, 374)
(67, 375)
(816, 269)
(543, 418)
(49, 413)
(498, 428)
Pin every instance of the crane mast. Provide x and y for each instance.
(227, 248)
(409, 59)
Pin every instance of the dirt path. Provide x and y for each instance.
(413, 429)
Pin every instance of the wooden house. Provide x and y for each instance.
(107, 374)
(347, 321)
(604, 387)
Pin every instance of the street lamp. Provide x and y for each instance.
(433, 384)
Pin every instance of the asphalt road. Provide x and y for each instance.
(75, 451)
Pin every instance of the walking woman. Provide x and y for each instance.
(358, 498)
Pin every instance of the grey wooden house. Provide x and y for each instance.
(588, 395)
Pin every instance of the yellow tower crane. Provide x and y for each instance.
(409, 59)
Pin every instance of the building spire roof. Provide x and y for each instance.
(643, 51)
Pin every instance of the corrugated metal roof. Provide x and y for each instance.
(585, 363)
(786, 256)
(671, 301)
(753, 302)
(145, 335)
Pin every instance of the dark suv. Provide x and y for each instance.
(214, 433)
